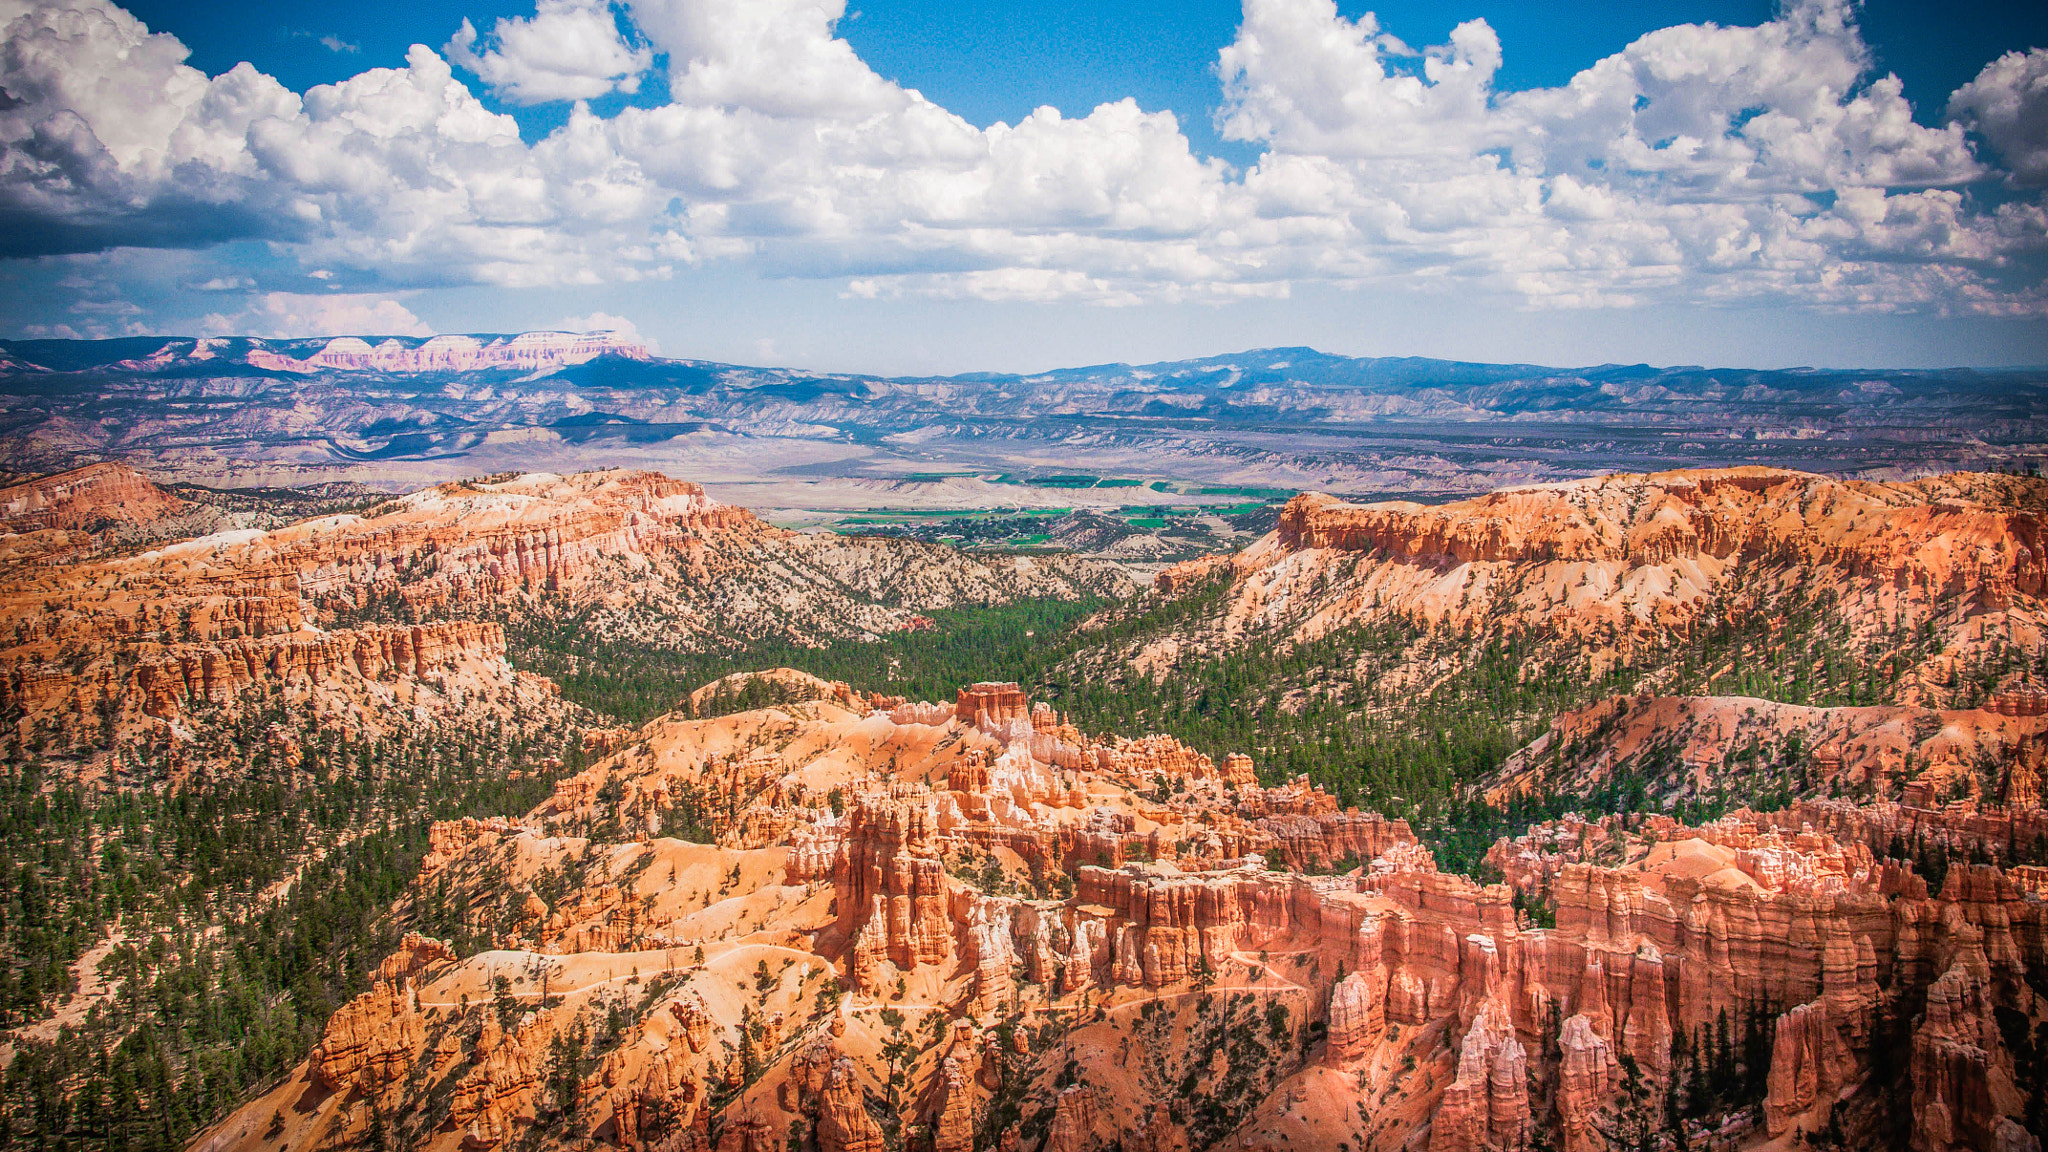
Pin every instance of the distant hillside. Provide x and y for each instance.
(406, 410)
(1398, 653)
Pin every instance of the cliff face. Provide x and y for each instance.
(1927, 535)
(525, 352)
(72, 514)
(218, 674)
(916, 918)
(1621, 571)
(83, 498)
(372, 618)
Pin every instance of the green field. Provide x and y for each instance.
(1261, 493)
(899, 516)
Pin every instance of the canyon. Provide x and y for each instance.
(966, 924)
(1680, 809)
(397, 613)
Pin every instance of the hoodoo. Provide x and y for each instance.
(569, 740)
(901, 898)
(1487, 863)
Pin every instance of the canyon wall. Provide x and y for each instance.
(915, 917)
(397, 612)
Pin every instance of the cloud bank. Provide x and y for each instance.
(1699, 165)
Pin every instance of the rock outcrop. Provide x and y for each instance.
(84, 499)
(391, 616)
(843, 1121)
(371, 1042)
(525, 352)
(910, 918)
(1912, 534)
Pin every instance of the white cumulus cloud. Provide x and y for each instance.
(567, 50)
(1699, 164)
(618, 326)
(2008, 103)
(776, 57)
(287, 315)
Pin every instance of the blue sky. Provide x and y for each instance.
(1566, 183)
(991, 62)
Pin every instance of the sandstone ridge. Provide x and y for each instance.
(397, 613)
(968, 924)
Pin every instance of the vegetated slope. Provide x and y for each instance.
(1663, 747)
(220, 754)
(846, 923)
(120, 665)
(1398, 653)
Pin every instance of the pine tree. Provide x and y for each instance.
(1724, 1084)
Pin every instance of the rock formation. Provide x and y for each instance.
(394, 615)
(373, 1039)
(84, 499)
(1918, 534)
(947, 939)
(1618, 572)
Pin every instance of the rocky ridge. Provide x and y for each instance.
(1618, 566)
(82, 499)
(71, 514)
(966, 924)
(354, 619)
(1578, 604)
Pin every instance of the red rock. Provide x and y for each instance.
(85, 499)
(1798, 1076)
(843, 1122)
(1074, 1122)
(1588, 1077)
(1487, 1106)
(953, 1128)
(1899, 531)
(1958, 1075)
(991, 705)
(370, 1041)
(1358, 1016)
(505, 1071)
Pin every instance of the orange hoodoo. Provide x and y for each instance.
(991, 703)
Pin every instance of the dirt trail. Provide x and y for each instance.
(92, 989)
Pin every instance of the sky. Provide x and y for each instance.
(916, 186)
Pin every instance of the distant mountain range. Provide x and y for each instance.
(403, 409)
